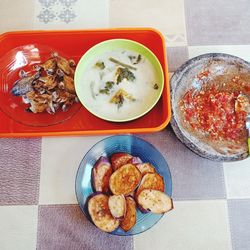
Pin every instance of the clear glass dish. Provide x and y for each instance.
(25, 58)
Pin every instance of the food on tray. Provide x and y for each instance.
(213, 111)
(117, 206)
(117, 195)
(101, 173)
(154, 201)
(124, 74)
(130, 217)
(120, 83)
(125, 180)
(100, 214)
(120, 97)
(49, 87)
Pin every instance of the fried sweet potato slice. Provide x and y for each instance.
(130, 217)
(125, 180)
(151, 181)
(117, 206)
(120, 159)
(101, 173)
(154, 201)
(100, 214)
(145, 168)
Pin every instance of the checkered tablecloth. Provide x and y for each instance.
(38, 207)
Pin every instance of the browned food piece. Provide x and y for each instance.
(72, 63)
(50, 88)
(130, 217)
(49, 66)
(49, 82)
(64, 65)
(120, 96)
(68, 83)
(37, 107)
(120, 159)
(62, 96)
(151, 181)
(99, 212)
(39, 102)
(145, 168)
(101, 173)
(125, 179)
(117, 206)
(38, 85)
(154, 201)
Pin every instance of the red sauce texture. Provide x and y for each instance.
(211, 110)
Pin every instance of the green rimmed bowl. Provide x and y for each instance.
(104, 111)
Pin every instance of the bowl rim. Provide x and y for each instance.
(108, 138)
(90, 50)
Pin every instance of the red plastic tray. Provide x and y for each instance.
(76, 43)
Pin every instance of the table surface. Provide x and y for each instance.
(38, 207)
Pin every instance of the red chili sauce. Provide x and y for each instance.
(211, 110)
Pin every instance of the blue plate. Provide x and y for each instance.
(136, 147)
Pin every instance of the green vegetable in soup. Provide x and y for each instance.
(100, 65)
(124, 73)
(104, 91)
(156, 86)
(108, 86)
(121, 63)
(120, 96)
(135, 59)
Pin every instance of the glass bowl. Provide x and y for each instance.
(136, 147)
